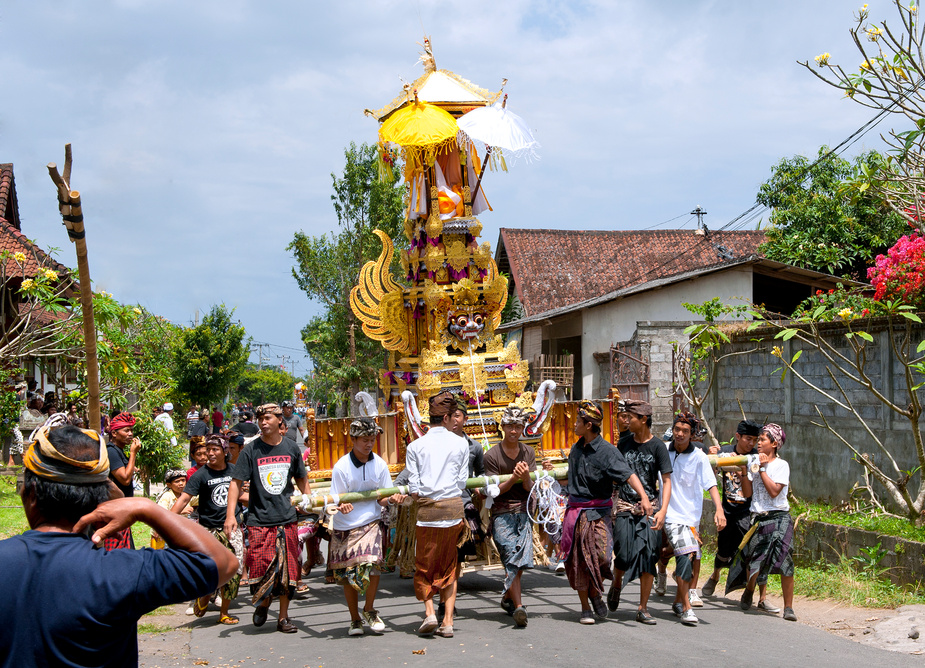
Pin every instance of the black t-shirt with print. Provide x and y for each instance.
(212, 489)
(119, 460)
(270, 470)
(648, 461)
(733, 501)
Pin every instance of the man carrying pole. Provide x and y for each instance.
(511, 528)
(356, 535)
(438, 467)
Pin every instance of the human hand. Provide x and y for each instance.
(111, 517)
(231, 526)
(547, 464)
(763, 458)
(720, 519)
(521, 471)
(714, 450)
(659, 520)
(646, 506)
(396, 499)
(345, 508)
(135, 446)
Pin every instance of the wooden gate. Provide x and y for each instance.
(629, 372)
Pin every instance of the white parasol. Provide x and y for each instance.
(498, 127)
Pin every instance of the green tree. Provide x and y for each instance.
(209, 359)
(261, 386)
(327, 268)
(819, 221)
(889, 79)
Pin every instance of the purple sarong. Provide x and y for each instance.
(573, 510)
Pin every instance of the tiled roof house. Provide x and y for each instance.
(582, 292)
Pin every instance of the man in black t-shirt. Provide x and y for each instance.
(122, 469)
(637, 541)
(245, 426)
(737, 508)
(210, 483)
(269, 464)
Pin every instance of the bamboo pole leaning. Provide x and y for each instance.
(321, 498)
(72, 215)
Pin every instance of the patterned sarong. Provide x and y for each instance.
(588, 563)
(272, 561)
(728, 540)
(513, 536)
(229, 590)
(636, 546)
(769, 550)
(435, 558)
(356, 554)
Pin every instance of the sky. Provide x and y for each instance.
(205, 133)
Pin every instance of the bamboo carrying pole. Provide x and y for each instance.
(72, 215)
(319, 500)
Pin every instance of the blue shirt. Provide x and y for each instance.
(66, 603)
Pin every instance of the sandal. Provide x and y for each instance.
(228, 619)
(199, 608)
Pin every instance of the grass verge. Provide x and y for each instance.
(882, 524)
(840, 582)
(147, 627)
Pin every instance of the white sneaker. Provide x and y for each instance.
(189, 610)
(356, 628)
(560, 567)
(371, 617)
(661, 584)
(694, 598)
(688, 618)
(553, 565)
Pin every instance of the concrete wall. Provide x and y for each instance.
(821, 466)
(616, 321)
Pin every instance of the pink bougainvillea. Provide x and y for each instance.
(900, 274)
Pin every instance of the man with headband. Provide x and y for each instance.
(510, 524)
(356, 532)
(438, 466)
(594, 468)
(637, 538)
(269, 464)
(736, 507)
(122, 468)
(98, 596)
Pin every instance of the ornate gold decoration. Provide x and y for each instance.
(495, 345)
(472, 375)
(457, 255)
(482, 257)
(510, 355)
(379, 303)
(502, 396)
(465, 292)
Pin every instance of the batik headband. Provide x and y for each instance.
(364, 426)
(590, 412)
(776, 433)
(44, 460)
(272, 409)
(639, 407)
(515, 415)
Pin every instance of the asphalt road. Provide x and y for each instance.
(485, 634)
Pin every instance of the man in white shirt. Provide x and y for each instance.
(356, 535)
(165, 419)
(438, 466)
(691, 474)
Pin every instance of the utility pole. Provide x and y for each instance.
(290, 361)
(260, 355)
(700, 213)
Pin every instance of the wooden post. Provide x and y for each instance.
(72, 215)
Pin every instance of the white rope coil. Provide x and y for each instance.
(546, 503)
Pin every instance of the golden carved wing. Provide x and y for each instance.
(378, 302)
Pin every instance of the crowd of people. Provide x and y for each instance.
(631, 507)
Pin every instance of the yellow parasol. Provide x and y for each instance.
(422, 130)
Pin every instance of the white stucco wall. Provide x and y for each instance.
(616, 321)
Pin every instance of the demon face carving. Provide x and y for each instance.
(466, 326)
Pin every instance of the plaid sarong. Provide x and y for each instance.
(356, 554)
(513, 536)
(683, 539)
(272, 561)
(769, 550)
(588, 563)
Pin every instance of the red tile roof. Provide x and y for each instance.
(556, 268)
(9, 207)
